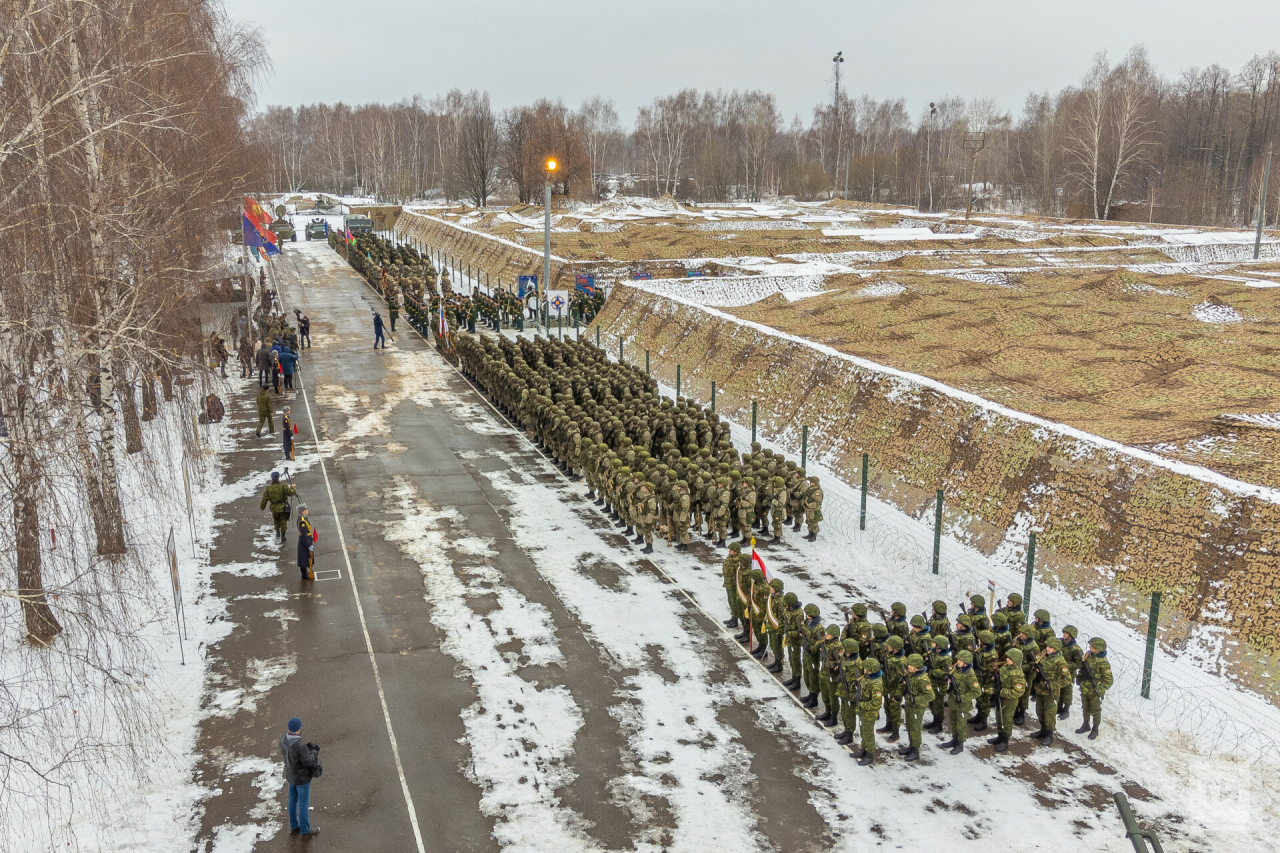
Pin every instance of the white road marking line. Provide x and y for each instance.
(364, 627)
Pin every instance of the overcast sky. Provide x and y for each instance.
(923, 50)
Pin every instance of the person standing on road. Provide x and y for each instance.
(263, 363)
(377, 331)
(288, 365)
(277, 496)
(307, 537)
(301, 765)
(286, 424)
(304, 331)
(266, 412)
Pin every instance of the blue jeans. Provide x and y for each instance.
(299, 803)
(378, 339)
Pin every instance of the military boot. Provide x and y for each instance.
(792, 683)
(1047, 740)
(1084, 727)
(812, 537)
(1003, 745)
(759, 651)
(994, 741)
(720, 543)
(911, 754)
(796, 527)
(1019, 717)
(950, 744)
(893, 735)
(810, 701)
(1064, 710)
(1039, 733)
(648, 549)
(775, 667)
(639, 540)
(845, 739)
(824, 716)
(978, 722)
(1093, 733)
(935, 726)
(731, 623)
(858, 753)
(958, 748)
(867, 759)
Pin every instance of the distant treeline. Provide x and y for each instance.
(1122, 142)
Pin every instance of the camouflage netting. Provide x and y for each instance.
(1114, 527)
(502, 262)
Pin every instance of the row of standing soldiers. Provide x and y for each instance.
(906, 667)
(657, 466)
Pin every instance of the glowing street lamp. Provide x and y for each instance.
(552, 166)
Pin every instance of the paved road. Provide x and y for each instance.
(545, 688)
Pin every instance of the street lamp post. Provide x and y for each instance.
(552, 165)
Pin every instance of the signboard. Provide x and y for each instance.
(526, 284)
(641, 276)
(586, 284)
(558, 301)
(694, 274)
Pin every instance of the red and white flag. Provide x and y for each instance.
(757, 559)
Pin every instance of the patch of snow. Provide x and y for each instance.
(1208, 312)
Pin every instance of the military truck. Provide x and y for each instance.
(283, 229)
(315, 230)
(358, 223)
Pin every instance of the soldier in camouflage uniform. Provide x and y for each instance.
(778, 506)
(775, 631)
(1030, 651)
(680, 506)
(1000, 631)
(829, 669)
(1011, 686)
(977, 611)
(962, 691)
(746, 507)
(985, 663)
(813, 637)
(1073, 655)
(939, 665)
(858, 628)
(1095, 680)
(797, 485)
(729, 572)
(813, 508)
(1052, 675)
(871, 695)
(848, 675)
(918, 697)
(897, 622)
(1013, 612)
(939, 625)
(719, 522)
(963, 639)
(646, 511)
(792, 624)
(895, 683)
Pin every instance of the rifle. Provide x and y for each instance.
(1084, 664)
(999, 712)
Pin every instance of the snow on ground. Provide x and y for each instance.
(895, 235)
(1211, 312)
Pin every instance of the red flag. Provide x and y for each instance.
(758, 560)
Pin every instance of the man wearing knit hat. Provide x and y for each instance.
(301, 765)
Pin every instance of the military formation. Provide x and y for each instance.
(658, 467)
(666, 468)
(957, 672)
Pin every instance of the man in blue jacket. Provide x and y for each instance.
(301, 765)
(288, 364)
(377, 331)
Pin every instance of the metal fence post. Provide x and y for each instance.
(804, 445)
(1152, 625)
(713, 395)
(1031, 567)
(937, 533)
(646, 362)
(753, 421)
(677, 381)
(862, 516)
(597, 334)
(620, 361)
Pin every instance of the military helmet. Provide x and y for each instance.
(1014, 655)
(625, 470)
(1072, 630)
(899, 609)
(978, 602)
(999, 619)
(942, 642)
(791, 599)
(1042, 616)
(917, 621)
(871, 666)
(1015, 600)
(879, 631)
(735, 546)
(755, 447)
(811, 610)
(850, 646)
(915, 661)
(986, 637)
(860, 609)
(800, 471)
(814, 480)
(965, 656)
(778, 481)
(894, 642)
(1025, 630)
(776, 583)
(1098, 644)
(746, 459)
(1053, 643)
(965, 619)
(940, 607)
(833, 630)
(755, 575)
(722, 481)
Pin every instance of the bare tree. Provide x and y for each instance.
(477, 149)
